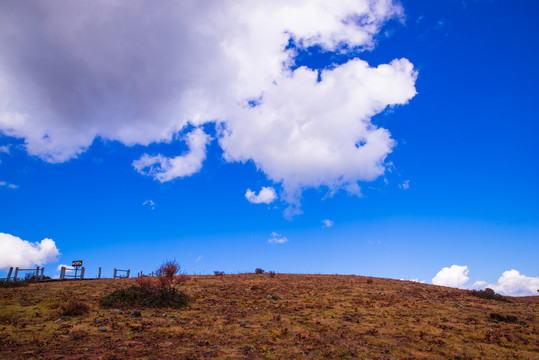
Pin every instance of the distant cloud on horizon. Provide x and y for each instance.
(15, 251)
(511, 283)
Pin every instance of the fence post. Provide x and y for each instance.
(42, 271)
(115, 273)
(9, 273)
(99, 273)
(63, 273)
(16, 273)
(37, 273)
(82, 272)
(128, 272)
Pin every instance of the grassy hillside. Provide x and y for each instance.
(282, 317)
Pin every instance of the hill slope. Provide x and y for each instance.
(305, 316)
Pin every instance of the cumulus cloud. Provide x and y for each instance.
(327, 223)
(512, 283)
(265, 196)
(164, 169)
(17, 252)
(139, 74)
(454, 276)
(277, 239)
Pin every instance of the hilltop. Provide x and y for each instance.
(281, 317)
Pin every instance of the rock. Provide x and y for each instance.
(136, 313)
(63, 318)
(273, 297)
(457, 357)
(243, 323)
(165, 315)
(268, 297)
(458, 305)
(97, 321)
(102, 328)
(120, 312)
(247, 349)
(347, 318)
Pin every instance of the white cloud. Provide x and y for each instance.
(68, 267)
(17, 252)
(405, 185)
(8, 185)
(454, 276)
(164, 169)
(4, 149)
(265, 196)
(327, 223)
(149, 203)
(199, 258)
(512, 283)
(277, 239)
(139, 74)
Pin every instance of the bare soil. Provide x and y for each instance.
(259, 317)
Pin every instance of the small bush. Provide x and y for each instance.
(271, 274)
(149, 296)
(150, 292)
(499, 317)
(259, 271)
(12, 284)
(74, 308)
(489, 294)
(369, 281)
(218, 273)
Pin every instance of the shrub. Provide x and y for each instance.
(489, 294)
(74, 308)
(259, 271)
(218, 273)
(150, 292)
(271, 274)
(12, 284)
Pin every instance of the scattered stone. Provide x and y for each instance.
(243, 323)
(63, 318)
(97, 321)
(457, 357)
(347, 318)
(170, 320)
(102, 328)
(247, 349)
(120, 312)
(136, 313)
(165, 315)
(458, 305)
(273, 297)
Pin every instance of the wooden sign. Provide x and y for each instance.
(76, 263)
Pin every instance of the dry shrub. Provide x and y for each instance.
(271, 274)
(259, 271)
(218, 273)
(151, 292)
(74, 308)
(489, 294)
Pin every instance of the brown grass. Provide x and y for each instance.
(305, 316)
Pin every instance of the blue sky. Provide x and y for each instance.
(458, 184)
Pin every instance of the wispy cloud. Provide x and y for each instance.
(149, 203)
(199, 258)
(277, 239)
(327, 223)
(405, 185)
(8, 185)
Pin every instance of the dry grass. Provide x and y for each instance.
(305, 316)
